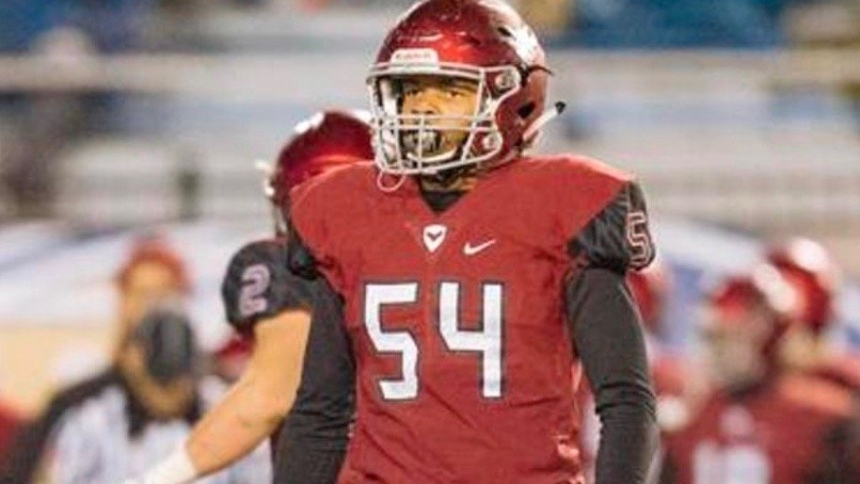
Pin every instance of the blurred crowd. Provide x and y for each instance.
(39, 125)
(122, 25)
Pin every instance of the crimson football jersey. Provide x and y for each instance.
(457, 323)
(795, 430)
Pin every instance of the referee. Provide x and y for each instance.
(129, 417)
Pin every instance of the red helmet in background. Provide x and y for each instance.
(750, 316)
(813, 273)
(326, 140)
(650, 287)
(485, 41)
(763, 290)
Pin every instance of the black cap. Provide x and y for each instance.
(169, 344)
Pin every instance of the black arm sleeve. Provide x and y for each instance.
(312, 442)
(607, 334)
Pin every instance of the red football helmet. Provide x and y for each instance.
(325, 141)
(649, 287)
(484, 41)
(809, 267)
(765, 292)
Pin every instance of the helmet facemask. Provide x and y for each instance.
(433, 142)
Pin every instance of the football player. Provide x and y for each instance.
(761, 424)
(815, 276)
(265, 302)
(473, 275)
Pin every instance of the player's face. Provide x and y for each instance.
(449, 104)
(735, 339)
(162, 400)
(148, 284)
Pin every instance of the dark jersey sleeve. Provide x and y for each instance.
(618, 238)
(258, 285)
(607, 335)
(312, 441)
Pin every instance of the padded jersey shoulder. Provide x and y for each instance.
(258, 285)
(601, 210)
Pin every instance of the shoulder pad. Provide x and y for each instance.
(258, 285)
(618, 237)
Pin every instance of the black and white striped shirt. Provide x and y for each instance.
(102, 436)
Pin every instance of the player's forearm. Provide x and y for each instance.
(260, 400)
(237, 425)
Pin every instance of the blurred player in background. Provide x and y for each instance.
(134, 413)
(809, 268)
(153, 274)
(679, 390)
(469, 271)
(267, 304)
(762, 423)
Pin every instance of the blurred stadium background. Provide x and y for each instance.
(127, 117)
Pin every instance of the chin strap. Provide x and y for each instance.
(532, 133)
(382, 183)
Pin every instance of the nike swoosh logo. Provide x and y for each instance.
(469, 249)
